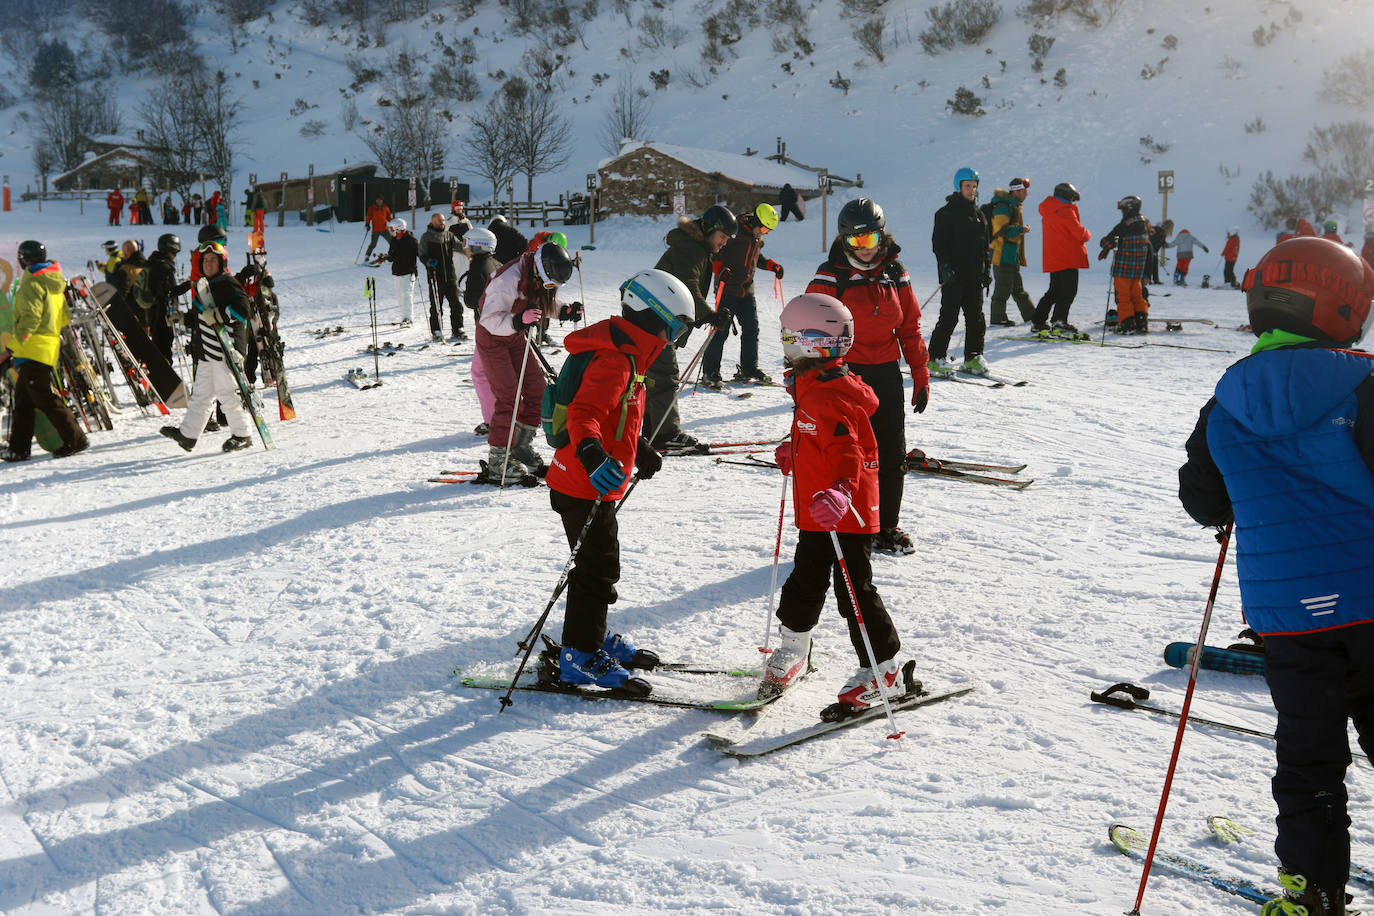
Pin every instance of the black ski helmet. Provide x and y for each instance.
(1313, 287)
(718, 216)
(32, 252)
(861, 215)
(211, 233)
(1129, 205)
(553, 263)
(168, 243)
(1066, 191)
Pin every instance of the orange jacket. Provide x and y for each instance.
(377, 217)
(1231, 251)
(1062, 235)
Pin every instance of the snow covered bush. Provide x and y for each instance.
(1351, 81)
(959, 22)
(870, 36)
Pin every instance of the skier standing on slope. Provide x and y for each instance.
(1285, 448)
(517, 296)
(1008, 230)
(1063, 254)
(1129, 239)
(833, 459)
(863, 272)
(404, 255)
(436, 250)
(1330, 233)
(164, 291)
(734, 267)
(1230, 253)
(604, 424)
(378, 219)
(1184, 243)
(960, 241)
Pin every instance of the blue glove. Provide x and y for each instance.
(605, 472)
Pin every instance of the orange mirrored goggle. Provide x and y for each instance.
(863, 240)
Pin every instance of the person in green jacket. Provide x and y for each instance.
(1009, 252)
(40, 314)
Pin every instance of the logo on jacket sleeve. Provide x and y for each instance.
(805, 423)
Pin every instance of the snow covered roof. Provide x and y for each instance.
(751, 170)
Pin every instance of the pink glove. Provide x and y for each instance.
(530, 317)
(783, 456)
(829, 506)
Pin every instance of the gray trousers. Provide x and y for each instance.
(1007, 283)
(660, 405)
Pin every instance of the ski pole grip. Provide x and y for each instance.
(1111, 698)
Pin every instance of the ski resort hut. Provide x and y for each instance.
(111, 162)
(642, 179)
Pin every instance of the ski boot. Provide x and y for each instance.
(1300, 900)
(597, 669)
(623, 651)
(522, 450)
(481, 429)
(1065, 330)
(939, 367)
(894, 540)
(10, 456)
(237, 443)
(974, 365)
(74, 448)
(861, 690)
(752, 375)
(683, 444)
(174, 433)
(713, 381)
(788, 662)
(491, 470)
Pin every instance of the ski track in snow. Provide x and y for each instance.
(227, 679)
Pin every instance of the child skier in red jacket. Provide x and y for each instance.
(588, 474)
(833, 459)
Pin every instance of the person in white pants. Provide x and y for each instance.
(220, 300)
(404, 256)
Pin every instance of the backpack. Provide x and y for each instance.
(142, 290)
(553, 412)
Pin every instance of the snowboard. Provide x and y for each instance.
(160, 373)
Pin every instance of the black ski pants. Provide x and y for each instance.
(813, 573)
(1063, 290)
(792, 209)
(746, 310)
(1229, 273)
(591, 584)
(35, 390)
(889, 428)
(960, 295)
(1318, 681)
(441, 291)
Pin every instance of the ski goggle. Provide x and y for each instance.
(864, 240)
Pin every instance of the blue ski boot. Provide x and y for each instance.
(622, 650)
(597, 669)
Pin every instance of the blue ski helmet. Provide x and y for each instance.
(964, 174)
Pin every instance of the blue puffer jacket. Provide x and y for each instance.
(1282, 434)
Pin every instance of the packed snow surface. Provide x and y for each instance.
(228, 679)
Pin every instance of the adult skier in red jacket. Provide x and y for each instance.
(1062, 256)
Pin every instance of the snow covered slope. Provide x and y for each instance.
(226, 680)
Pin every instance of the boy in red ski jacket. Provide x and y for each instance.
(832, 456)
(588, 475)
(1230, 253)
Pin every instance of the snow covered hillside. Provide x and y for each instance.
(226, 680)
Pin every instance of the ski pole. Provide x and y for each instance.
(773, 582)
(1107, 311)
(680, 383)
(581, 291)
(372, 309)
(863, 631)
(514, 409)
(558, 590)
(1223, 538)
(366, 233)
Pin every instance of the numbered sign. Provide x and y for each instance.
(1166, 181)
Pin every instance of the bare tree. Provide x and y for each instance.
(191, 124)
(219, 115)
(540, 137)
(409, 139)
(627, 118)
(66, 117)
(489, 151)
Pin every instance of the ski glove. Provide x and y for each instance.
(776, 268)
(1102, 255)
(213, 316)
(783, 456)
(647, 461)
(527, 318)
(570, 312)
(987, 279)
(604, 471)
(946, 274)
(920, 399)
(722, 318)
(829, 506)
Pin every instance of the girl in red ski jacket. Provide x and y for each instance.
(832, 456)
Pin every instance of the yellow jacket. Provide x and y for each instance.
(40, 314)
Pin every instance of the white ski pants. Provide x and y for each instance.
(405, 296)
(214, 382)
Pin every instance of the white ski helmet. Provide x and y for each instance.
(659, 294)
(396, 226)
(480, 240)
(1234, 230)
(816, 326)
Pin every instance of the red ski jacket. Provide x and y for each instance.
(1231, 251)
(1063, 236)
(833, 440)
(596, 409)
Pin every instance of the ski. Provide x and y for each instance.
(1072, 340)
(1231, 660)
(1165, 321)
(916, 456)
(1135, 845)
(711, 450)
(916, 695)
(966, 379)
(999, 379)
(1232, 833)
(535, 682)
(968, 476)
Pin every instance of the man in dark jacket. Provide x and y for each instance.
(787, 202)
(960, 241)
(436, 250)
(734, 267)
(163, 291)
(690, 248)
(1285, 449)
(510, 242)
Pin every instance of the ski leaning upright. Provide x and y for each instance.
(252, 401)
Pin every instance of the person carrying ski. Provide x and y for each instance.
(1184, 243)
(482, 263)
(163, 291)
(733, 267)
(691, 246)
(1063, 253)
(1230, 253)
(862, 271)
(40, 313)
(1285, 450)
(960, 241)
(378, 218)
(517, 296)
(510, 242)
(832, 458)
(787, 203)
(436, 250)
(589, 474)
(219, 301)
(404, 255)
(1009, 230)
(115, 202)
(257, 281)
(1129, 240)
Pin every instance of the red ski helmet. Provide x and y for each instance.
(1312, 287)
